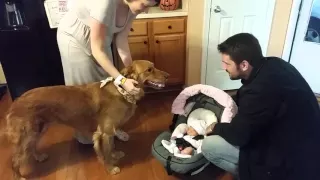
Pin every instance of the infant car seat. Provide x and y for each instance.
(191, 98)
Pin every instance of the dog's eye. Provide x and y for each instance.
(150, 70)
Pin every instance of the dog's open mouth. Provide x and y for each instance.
(155, 85)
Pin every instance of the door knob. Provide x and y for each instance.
(217, 9)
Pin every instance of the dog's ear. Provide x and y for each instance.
(128, 72)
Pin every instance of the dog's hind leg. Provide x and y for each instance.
(18, 158)
(21, 154)
(24, 149)
(40, 157)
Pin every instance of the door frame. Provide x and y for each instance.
(291, 29)
(206, 30)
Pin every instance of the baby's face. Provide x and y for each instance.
(191, 131)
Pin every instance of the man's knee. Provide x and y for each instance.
(221, 153)
(213, 145)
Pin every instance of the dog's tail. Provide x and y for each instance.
(4, 135)
(8, 134)
(4, 140)
(102, 145)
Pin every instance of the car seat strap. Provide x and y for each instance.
(168, 168)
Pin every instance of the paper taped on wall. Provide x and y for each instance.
(55, 10)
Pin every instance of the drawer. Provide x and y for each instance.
(163, 26)
(139, 28)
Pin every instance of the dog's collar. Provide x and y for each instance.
(130, 98)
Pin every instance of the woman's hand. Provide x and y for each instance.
(130, 87)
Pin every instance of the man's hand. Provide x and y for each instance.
(210, 128)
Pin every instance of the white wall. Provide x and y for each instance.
(195, 32)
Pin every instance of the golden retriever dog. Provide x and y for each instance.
(93, 110)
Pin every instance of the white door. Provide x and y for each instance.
(228, 18)
(305, 54)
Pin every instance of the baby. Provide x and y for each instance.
(186, 139)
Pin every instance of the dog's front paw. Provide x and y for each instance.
(118, 154)
(41, 157)
(114, 170)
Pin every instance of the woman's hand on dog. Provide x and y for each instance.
(130, 87)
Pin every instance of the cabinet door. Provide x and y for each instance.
(139, 48)
(169, 56)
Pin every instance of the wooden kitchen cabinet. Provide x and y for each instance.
(162, 41)
(169, 55)
(139, 47)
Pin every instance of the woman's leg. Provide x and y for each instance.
(222, 154)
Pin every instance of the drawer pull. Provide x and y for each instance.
(157, 41)
(131, 29)
(145, 42)
(169, 27)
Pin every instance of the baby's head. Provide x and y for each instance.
(196, 127)
(191, 131)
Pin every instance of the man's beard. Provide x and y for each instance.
(237, 77)
(234, 77)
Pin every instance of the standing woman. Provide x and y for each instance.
(84, 38)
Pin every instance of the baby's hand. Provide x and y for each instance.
(179, 135)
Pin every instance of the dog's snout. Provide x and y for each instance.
(166, 75)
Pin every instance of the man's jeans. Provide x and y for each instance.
(222, 154)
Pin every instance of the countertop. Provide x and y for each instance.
(156, 12)
(54, 15)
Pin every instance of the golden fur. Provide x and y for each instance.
(93, 111)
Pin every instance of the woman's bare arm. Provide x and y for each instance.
(97, 37)
(123, 44)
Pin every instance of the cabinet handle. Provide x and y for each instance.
(157, 41)
(145, 42)
(131, 29)
(169, 27)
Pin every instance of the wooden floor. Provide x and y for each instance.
(68, 160)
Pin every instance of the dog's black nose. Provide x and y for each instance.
(166, 75)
